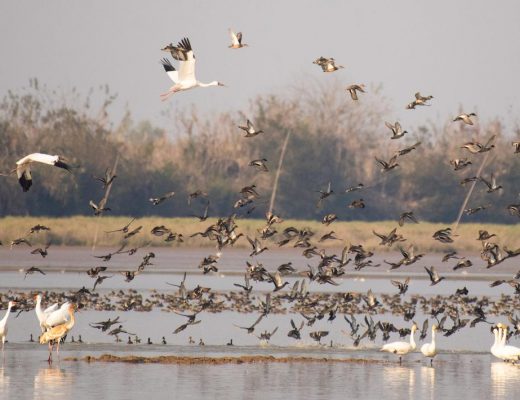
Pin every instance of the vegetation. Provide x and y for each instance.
(83, 231)
(332, 139)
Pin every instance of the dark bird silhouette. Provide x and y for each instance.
(402, 286)
(407, 216)
(434, 276)
(397, 131)
(43, 252)
(105, 325)
(124, 229)
(99, 208)
(107, 179)
(251, 329)
(184, 326)
(460, 163)
(38, 228)
(324, 194)
(259, 164)
(353, 89)
(99, 280)
(388, 166)
(295, 331)
(158, 200)
(94, 271)
(317, 335)
(32, 270)
(250, 129)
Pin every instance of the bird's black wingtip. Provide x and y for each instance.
(25, 183)
(167, 65)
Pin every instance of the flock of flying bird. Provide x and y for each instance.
(56, 322)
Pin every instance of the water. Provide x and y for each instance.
(26, 375)
(463, 369)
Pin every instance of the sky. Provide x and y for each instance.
(465, 53)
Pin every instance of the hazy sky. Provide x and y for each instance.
(465, 53)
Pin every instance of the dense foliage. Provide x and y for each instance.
(332, 139)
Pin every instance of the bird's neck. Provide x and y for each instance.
(433, 337)
(412, 339)
(6, 314)
(202, 84)
(71, 322)
(503, 337)
(39, 311)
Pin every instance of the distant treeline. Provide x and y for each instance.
(332, 140)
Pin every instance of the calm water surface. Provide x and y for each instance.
(26, 375)
(463, 369)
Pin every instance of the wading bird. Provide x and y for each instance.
(57, 333)
(3, 324)
(402, 348)
(428, 349)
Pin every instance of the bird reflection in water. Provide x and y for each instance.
(52, 382)
(504, 377)
(427, 382)
(400, 378)
(4, 383)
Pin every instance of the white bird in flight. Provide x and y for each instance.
(236, 40)
(23, 167)
(183, 79)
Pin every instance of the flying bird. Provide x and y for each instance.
(158, 200)
(327, 64)
(466, 118)
(353, 89)
(259, 164)
(397, 131)
(23, 167)
(250, 129)
(434, 276)
(184, 79)
(236, 40)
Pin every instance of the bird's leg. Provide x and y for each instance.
(58, 350)
(165, 96)
(431, 362)
(399, 360)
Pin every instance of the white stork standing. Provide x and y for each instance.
(23, 167)
(184, 79)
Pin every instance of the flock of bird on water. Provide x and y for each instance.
(56, 321)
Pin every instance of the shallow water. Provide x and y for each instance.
(26, 375)
(464, 368)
